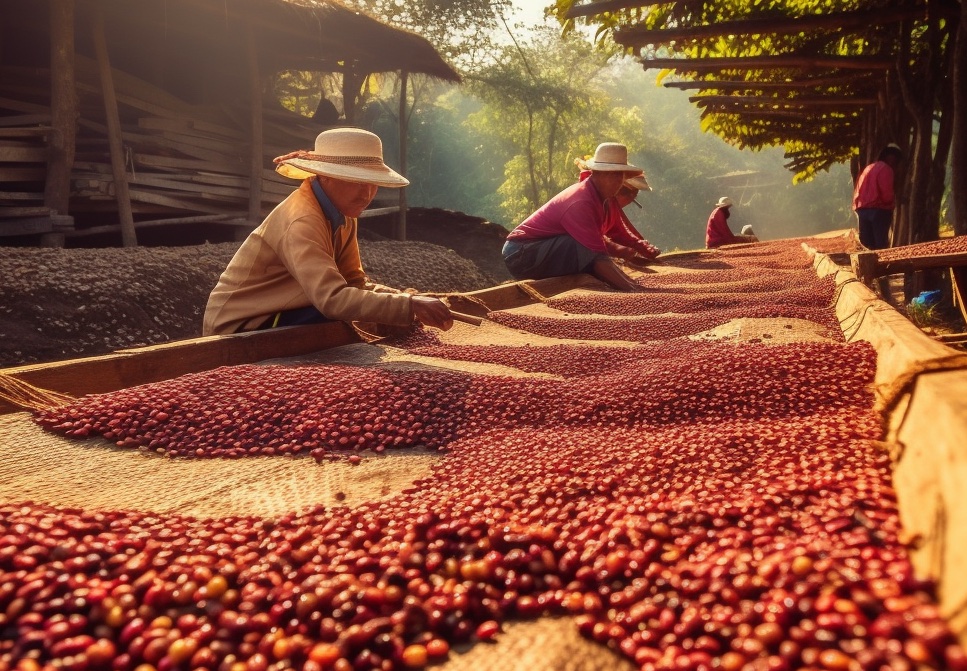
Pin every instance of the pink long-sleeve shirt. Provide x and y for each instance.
(874, 188)
(577, 211)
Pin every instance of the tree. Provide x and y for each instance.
(461, 30)
(544, 105)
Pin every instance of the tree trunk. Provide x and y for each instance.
(958, 183)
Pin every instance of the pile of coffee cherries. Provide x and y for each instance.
(688, 504)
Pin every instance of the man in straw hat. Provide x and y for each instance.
(567, 235)
(717, 231)
(302, 265)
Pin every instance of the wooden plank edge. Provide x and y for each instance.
(154, 363)
(926, 433)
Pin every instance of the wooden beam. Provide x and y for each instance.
(799, 101)
(804, 115)
(794, 85)
(593, 8)
(639, 36)
(23, 154)
(129, 238)
(768, 63)
(129, 368)
(230, 219)
(913, 264)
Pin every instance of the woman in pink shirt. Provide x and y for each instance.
(873, 198)
(566, 235)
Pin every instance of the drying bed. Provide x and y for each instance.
(689, 477)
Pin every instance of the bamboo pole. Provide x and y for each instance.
(404, 125)
(128, 236)
(255, 153)
(63, 107)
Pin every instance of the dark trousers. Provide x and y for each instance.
(547, 257)
(874, 227)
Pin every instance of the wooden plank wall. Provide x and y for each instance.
(182, 159)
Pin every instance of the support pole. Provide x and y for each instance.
(128, 236)
(63, 107)
(864, 267)
(256, 153)
(404, 125)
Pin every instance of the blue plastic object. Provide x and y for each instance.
(927, 298)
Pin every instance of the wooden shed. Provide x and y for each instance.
(118, 116)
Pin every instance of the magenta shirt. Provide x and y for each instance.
(577, 211)
(874, 188)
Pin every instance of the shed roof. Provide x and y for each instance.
(197, 49)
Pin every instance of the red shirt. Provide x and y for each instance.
(717, 231)
(874, 188)
(577, 211)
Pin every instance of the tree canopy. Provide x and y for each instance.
(828, 81)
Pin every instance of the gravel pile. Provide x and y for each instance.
(65, 303)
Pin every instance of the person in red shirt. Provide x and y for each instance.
(620, 236)
(567, 235)
(717, 231)
(874, 199)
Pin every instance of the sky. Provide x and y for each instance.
(531, 12)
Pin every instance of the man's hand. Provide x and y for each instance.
(431, 312)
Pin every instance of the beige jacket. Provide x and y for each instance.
(293, 260)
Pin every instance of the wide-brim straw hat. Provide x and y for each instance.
(724, 201)
(638, 182)
(350, 154)
(611, 157)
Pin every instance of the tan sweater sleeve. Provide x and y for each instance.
(305, 247)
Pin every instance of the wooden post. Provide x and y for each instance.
(63, 107)
(864, 267)
(404, 125)
(256, 152)
(350, 90)
(128, 236)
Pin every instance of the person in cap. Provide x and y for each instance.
(301, 265)
(568, 234)
(874, 199)
(717, 231)
(625, 242)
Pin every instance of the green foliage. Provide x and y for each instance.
(810, 150)
(505, 141)
(461, 30)
(546, 103)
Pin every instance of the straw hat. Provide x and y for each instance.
(611, 157)
(638, 182)
(724, 201)
(350, 154)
